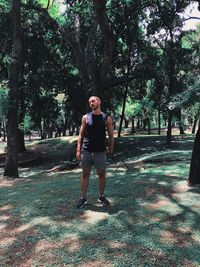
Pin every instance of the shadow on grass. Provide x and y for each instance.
(152, 221)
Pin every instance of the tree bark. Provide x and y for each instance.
(149, 125)
(126, 91)
(109, 41)
(194, 175)
(93, 72)
(20, 141)
(132, 125)
(194, 125)
(169, 127)
(180, 124)
(159, 121)
(11, 167)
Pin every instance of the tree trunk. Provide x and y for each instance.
(20, 141)
(11, 167)
(126, 92)
(123, 111)
(180, 124)
(4, 131)
(194, 125)
(159, 121)
(169, 127)
(132, 125)
(93, 78)
(194, 175)
(126, 122)
(138, 123)
(144, 124)
(149, 126)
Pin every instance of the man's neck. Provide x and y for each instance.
(97, 111)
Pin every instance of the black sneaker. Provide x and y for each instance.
(103, 200)
(82, 202)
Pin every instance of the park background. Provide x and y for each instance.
(142, 59)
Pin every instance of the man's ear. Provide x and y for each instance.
(99, 100)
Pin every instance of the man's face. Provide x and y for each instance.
(94, 103)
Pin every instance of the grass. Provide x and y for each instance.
(152, 221)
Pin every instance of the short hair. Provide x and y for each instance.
(97, 98)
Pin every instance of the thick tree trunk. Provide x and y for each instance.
(11, 168)
(20, 141)
(194, 175)
(94, 78)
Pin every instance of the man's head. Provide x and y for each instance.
(94, 102)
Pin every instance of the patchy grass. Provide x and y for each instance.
(152, 221)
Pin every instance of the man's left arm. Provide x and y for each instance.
(110, 135)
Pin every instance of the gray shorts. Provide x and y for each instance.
(98, 159)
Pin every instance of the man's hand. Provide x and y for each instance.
(109, 151)
(78, 155)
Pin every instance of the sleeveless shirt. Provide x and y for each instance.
(94, 139)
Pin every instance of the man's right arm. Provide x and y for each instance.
(80, 138)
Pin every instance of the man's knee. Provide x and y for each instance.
(101, 173)
(86, 173)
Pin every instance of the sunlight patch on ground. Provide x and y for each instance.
(97, 263)
(21, 228)
(2, 226)
(6, 207)
(165, 204)
(181, 187)
(189, 263)
(167, 237)
(196, 237)
(116, 244)
(6, 183)
(4, 218)
(175, 238)
(71, 244)
(7, 241)
(94, 217)
(41, 221)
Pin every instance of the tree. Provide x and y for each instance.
(11, 167)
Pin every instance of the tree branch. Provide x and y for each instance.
(191, 18)
(109, 38)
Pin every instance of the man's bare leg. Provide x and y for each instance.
(84, 184)
(102, 181)
(84, 180)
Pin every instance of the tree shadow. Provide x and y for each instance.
(152, 220)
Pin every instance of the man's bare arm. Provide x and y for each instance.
(80, 138)
(110, 135)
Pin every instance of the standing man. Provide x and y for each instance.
(91, 148)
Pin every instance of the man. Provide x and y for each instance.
(91, 148)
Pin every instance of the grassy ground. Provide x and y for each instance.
(152, 221)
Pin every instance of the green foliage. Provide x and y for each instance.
(50, 64)
(26, 125)
(189, 97)
(133, 108)
(5, 5)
